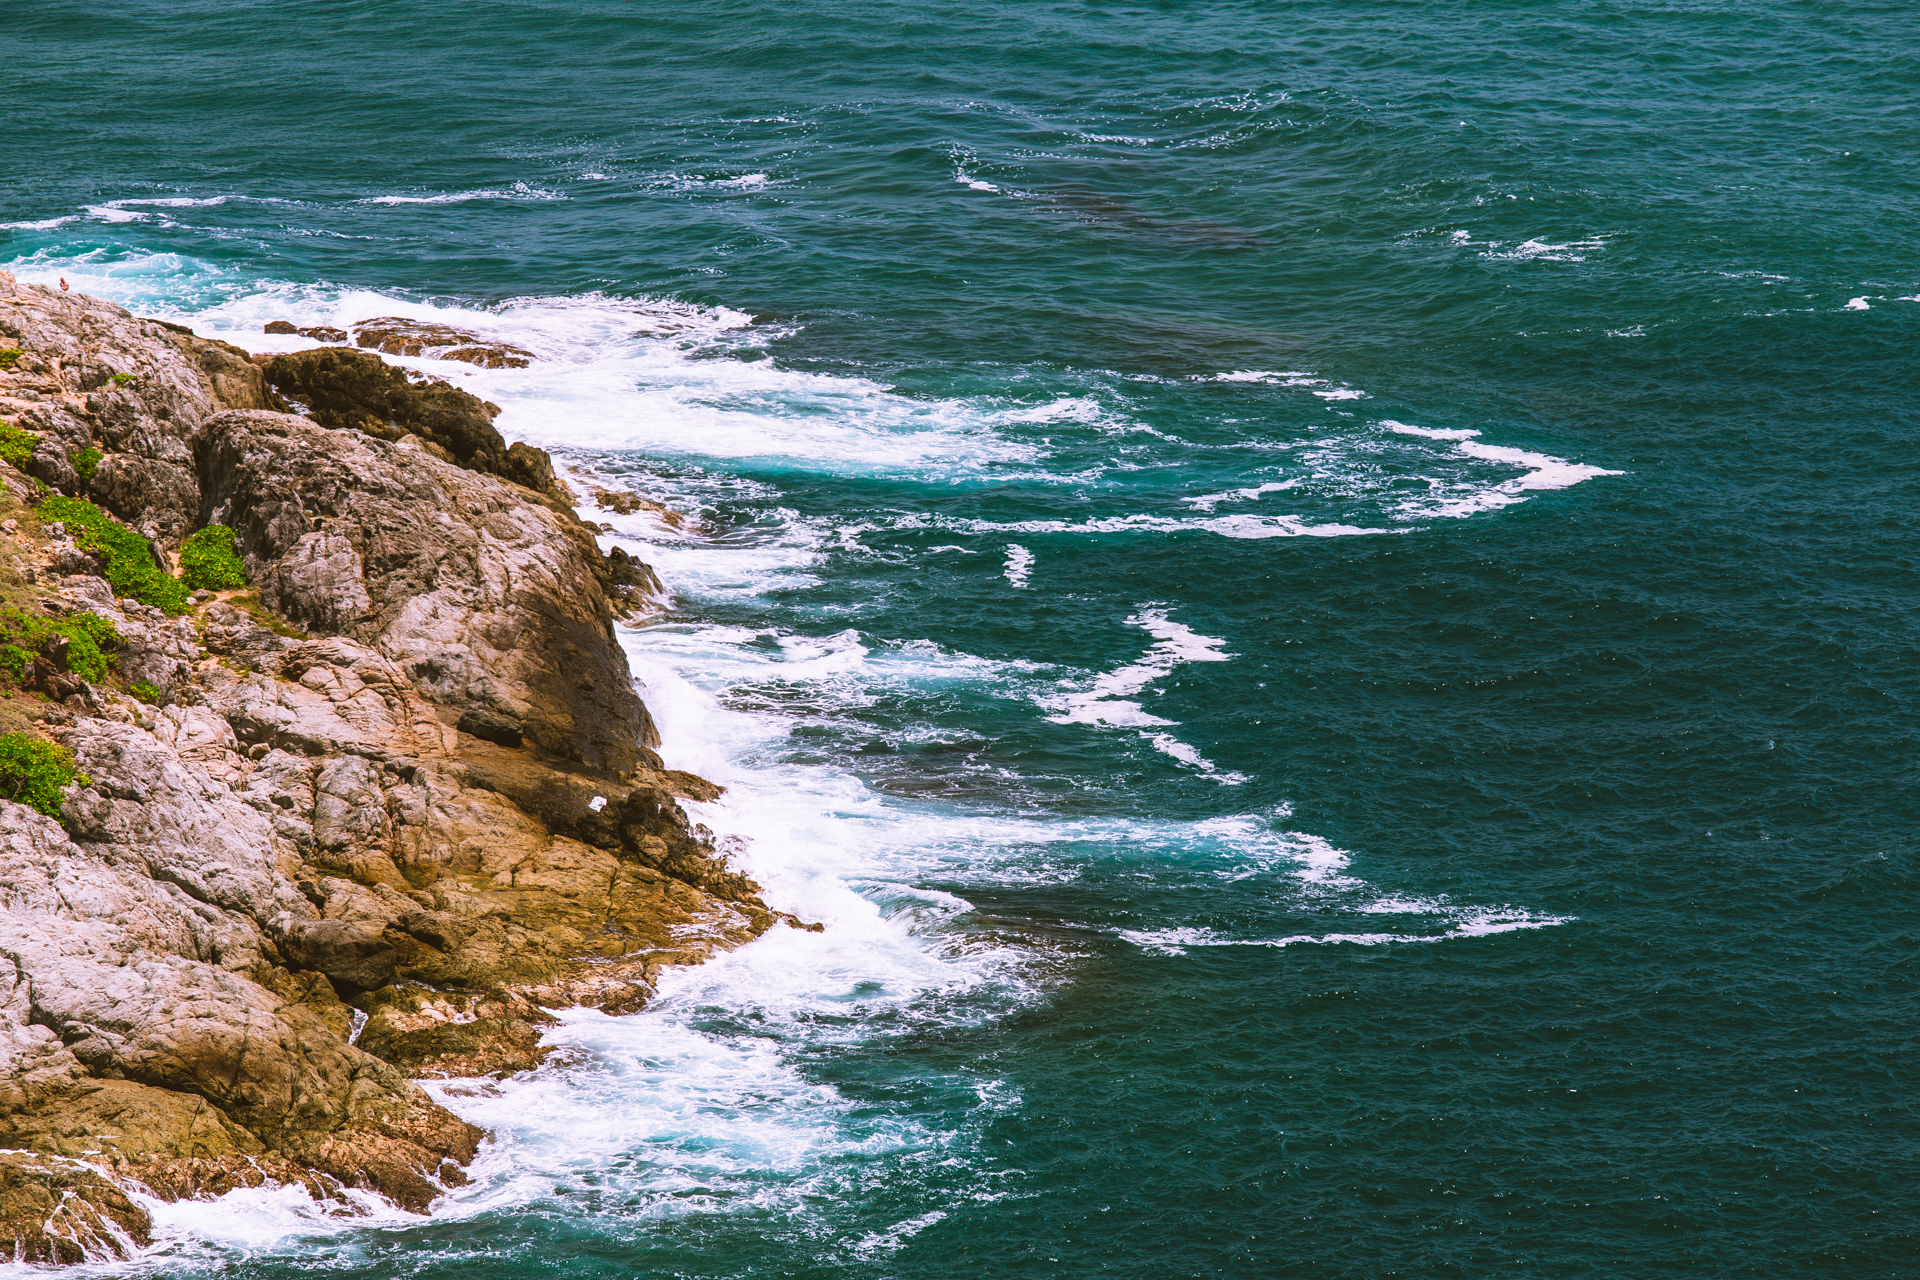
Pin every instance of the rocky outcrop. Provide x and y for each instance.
(470, 587)
(354, 390)
(399, 336)
(380, 818)
(318, 332)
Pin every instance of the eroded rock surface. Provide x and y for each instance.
(408, 789)
(344, 388)
(400, 336)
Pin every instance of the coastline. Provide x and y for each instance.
(361, 821)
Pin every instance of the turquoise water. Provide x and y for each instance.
(1265, 829)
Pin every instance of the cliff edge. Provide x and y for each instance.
(362, 820)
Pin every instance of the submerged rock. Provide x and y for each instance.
(319, 333)
(399, 336)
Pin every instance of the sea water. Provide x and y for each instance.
(1320, 598)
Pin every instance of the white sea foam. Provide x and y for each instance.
(1292, 378)
(113, 213)
(883, 1242)
(1856, 304)
(518, 191)
(1019, 565)
(1546, 251)
(619, 374)
(1107, 700)
(1234, 526)
(1543, 472)
(1208, 501)
(170, 202)
(1475, 924)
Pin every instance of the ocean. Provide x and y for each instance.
(1321, 597)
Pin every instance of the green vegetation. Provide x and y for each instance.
(16, 446)
(8, 355)
(131, 570)
(34, 772)
(23, 635)
(208, 560)
(122, 379)
(86, 462)
(144, 691)
(250, 605)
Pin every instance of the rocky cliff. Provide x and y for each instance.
(366, 820)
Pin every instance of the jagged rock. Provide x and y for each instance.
(620, 502)
(399, 336)
(319, 332)
(358, 390)
(472, 589)
(632, 583)
(60, 1211)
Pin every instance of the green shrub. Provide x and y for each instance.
(130, 567)
(122, 379)
(86, 462)
(16, 446)
(208, 560)
(144, 691)
(34, 772)
(8, 355)
(23, 635)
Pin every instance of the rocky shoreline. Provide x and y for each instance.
(361, 821)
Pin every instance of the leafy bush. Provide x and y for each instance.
(34, 772)
(144, 691)
(130, 567)
(122, 379)
(16, 446)
(8, 355)
(24, 635)
(208, 560)
(86, 462)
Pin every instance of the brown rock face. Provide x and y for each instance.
(398, 336)
(419, 785)
(473, 589)
(61, 1211)
(319, 333)
(356, 390)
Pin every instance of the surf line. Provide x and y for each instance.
(1109, 700)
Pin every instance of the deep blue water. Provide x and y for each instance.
(1493, 854)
